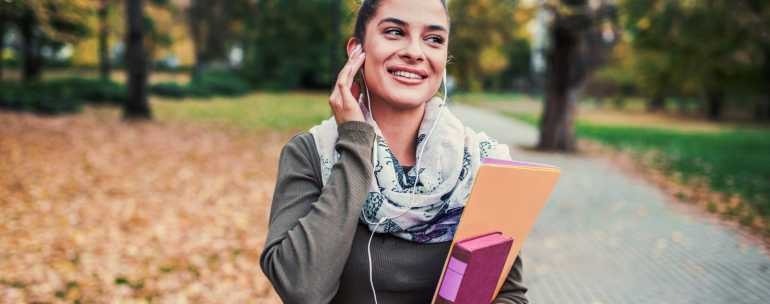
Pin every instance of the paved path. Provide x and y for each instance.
(606, 237)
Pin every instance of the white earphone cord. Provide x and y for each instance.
(414, 187)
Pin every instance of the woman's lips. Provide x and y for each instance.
(407, 75)
(406, 80)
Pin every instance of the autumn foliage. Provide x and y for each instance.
(97, 210)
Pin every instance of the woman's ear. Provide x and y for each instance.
(352, 43)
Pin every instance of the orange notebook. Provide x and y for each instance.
(507, 197)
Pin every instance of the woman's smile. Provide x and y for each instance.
(408, 75)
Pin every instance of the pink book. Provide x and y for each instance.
(474, 267)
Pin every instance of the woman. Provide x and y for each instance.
(351, 220)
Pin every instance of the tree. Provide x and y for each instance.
(136, 106)
(578, 45)
(3, 28)
(216, 26)
(703, 48)
(294, 54)
(755, 15)
(44, 23)
(336, 40)
(7, 14)
(30, 46)
(481, 30)
(104, 57)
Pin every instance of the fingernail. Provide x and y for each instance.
(357, 48)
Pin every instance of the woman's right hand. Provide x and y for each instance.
(343, 99)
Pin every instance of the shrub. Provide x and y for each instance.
(67, 95)
(208, 84)
(94, 90)
(39, 97)
(220, 83)
(169, 89)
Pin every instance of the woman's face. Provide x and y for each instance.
(406, 47)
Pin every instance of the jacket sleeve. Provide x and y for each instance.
(513, 290)
(312, 227)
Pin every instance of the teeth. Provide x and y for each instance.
(407, 75)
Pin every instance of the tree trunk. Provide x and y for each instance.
(657, 103)
(30, 48)
(195, 22)
(763, 108)
(767, 81)
(619, 101)
(136, 107)
(767, 108)
(336, 6)
(599, 101)
(682, 103)
(557, 131)
(2, 47)
(104, 56)
(714, 104)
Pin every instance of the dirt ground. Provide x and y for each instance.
(97, 210)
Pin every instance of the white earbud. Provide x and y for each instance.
(416, 181)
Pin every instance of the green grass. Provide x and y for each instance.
(528, 118)
(735, 161)
(258, 111)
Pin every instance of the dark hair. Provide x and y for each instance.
(366, 12)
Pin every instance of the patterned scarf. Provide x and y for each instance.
(447, 167)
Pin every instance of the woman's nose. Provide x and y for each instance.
(413, 51)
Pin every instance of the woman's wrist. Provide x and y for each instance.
(357, 131)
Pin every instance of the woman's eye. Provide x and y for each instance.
(435, 39)
(393, 32)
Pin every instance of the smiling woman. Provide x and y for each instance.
(375, 193)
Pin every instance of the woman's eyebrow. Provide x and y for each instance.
(393, 20)
(403, 23)
(437, 28)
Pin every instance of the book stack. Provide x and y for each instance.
(503, 206)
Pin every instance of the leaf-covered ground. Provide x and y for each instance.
(97, 210)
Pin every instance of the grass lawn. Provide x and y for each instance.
(732, 160)
(257, 111)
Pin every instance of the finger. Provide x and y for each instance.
(342, 99)
(348, 92)
(334, 97)
(345, 78)
(344, 74)
(356, 66)
(352, 58)
(337, 100)
(351, 92)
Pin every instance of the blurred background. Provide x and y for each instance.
(139, 139)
